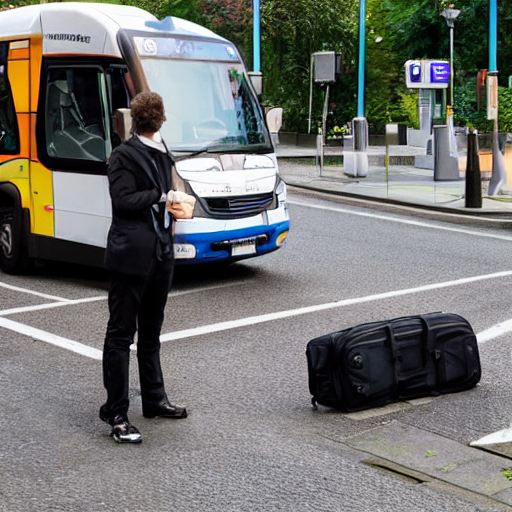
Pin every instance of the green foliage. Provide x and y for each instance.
(291, 31)
(10, 4)
(409, 108)
(505, 109)
(231, 19)
(396, 31)
(187, 9)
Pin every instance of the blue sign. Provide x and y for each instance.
(415, 71)
(439, 72)
(427, 74)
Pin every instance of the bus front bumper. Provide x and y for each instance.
(203, 240)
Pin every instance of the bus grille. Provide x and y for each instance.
(239, 206)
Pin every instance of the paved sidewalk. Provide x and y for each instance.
(405, 184)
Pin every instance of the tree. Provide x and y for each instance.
(6, 4)
(291, 31)
(187, 9)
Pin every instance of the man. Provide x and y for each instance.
(140, 257)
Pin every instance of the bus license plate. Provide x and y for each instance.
(243, 248)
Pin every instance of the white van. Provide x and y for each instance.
(67, 74)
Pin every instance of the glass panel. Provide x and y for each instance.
(9, 137)
(209, 105)
(117, 81)
(76, 122)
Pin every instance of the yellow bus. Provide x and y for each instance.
(67, 74)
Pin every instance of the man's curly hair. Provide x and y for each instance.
(148, 113)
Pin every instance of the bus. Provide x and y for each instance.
(68, 72)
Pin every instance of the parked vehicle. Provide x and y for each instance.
(67, 74)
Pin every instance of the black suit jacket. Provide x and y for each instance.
(137, 234)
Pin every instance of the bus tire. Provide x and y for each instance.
(13, 252)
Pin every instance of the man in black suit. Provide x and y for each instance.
(140, 257)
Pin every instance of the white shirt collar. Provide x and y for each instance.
(155, 143)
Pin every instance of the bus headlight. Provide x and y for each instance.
(281, 193)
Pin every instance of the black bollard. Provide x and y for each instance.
(473, 176)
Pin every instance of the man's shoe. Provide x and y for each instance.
(124, 432)
(165, 410)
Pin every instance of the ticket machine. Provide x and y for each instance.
(431, 78)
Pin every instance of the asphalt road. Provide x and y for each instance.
(234, 354)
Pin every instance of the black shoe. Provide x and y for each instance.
(165, 410)
(124, 432)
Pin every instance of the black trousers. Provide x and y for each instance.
(136, 303)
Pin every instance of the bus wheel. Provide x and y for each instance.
(13, 256)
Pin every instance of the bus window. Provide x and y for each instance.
(9, 138)
(120, 93)
(77, 126)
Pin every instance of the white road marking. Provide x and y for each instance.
(47, 337)
(93, 353)
(70, 302)
(243, 322)
(494, 332)
(37, 307)
(403, 221)
(32, 292)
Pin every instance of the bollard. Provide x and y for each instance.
(473, 176)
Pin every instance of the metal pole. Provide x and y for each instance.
(360, 81)
(310, 92)
(256, 35)
(493, 24)
(499, 173)
(451, 66)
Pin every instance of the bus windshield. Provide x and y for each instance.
(209, 106)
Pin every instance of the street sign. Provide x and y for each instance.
(427, 74)
(492, 97)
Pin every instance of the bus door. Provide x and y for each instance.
(75, 138)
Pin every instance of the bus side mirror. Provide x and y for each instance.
(123, 123)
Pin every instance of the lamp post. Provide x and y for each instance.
(362, 58)
(256, 35)
(499, 173)
(356, 162)
(255, 74)
(450, 15)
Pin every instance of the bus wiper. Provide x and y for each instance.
(220, 146)
(205, 149)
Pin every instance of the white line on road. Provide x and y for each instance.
(38, 307)
(494, 331)
(403, 221)
(70, 302)
(243, 322)
(93, 353)
(32, 292)
(47, 337)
